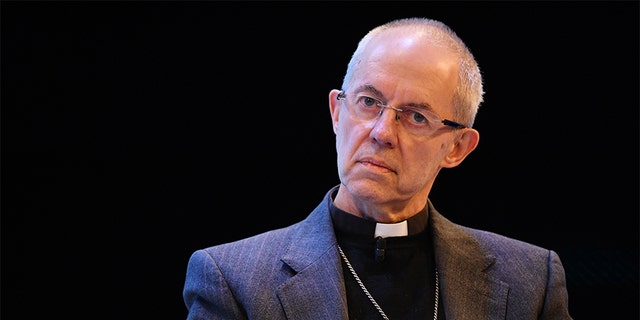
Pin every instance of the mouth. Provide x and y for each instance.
(377, 165)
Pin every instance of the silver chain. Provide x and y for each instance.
(375, 304)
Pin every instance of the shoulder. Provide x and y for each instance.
(266, 249)
(518, 260)
(501, 244)
(259, 245)
(464, 238)
(240, 259)
(503, 252)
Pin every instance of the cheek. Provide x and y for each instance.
(425, 160)
(347, 134)
(349, 138)
(344, 146)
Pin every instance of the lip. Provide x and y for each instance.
(376, 163)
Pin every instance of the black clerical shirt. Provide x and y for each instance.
(402, 281)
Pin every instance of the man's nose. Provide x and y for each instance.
(386, 126)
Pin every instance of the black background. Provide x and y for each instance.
(134, 133)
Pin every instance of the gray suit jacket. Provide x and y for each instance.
(296, 273)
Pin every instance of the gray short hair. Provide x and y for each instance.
(469, 92)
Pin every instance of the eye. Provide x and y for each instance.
(369, 102)
(417, 116)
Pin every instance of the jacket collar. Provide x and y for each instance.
(317, 273)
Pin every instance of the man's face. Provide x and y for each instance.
(380, 162)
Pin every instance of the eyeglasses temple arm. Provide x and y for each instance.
(453, 124)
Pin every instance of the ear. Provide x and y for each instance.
(465, 142)
(334, 108)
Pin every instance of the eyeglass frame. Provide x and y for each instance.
(450, 123)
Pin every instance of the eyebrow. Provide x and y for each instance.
(371, 89)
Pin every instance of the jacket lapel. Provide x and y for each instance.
(316, 271)
(468, 292)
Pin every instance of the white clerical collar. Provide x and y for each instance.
(385, 230)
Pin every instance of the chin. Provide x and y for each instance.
(367, 189)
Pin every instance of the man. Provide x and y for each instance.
(375, 247)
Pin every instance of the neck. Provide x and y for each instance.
(377, 210)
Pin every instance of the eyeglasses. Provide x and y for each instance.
(418, 121)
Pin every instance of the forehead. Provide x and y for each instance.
(410, 67)
(410, 51)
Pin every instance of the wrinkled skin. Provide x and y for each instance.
(386, 173)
